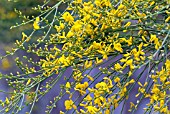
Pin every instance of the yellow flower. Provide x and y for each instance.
(117, 79)
(81, 87)
(7, 101)
(144, 39)
(87, 64)
(109, 82)
(68, 85)
(36, 23)
(59, 28)
(127, 24)
(90, 77)
(70, 34)
(117, 67)
(98, 102)
(63, 35)
(102, 86)
(155, 40)
(162, 103)
(115, 103)
(131, 81)
(155, 89)
(107, 111)
(167, 64)
(129, 41)
(103, 53)
(7, 109)
(98, 61)
(167, 19)
(68, 17)
(78, 1)
(24, 36)
(88, 98)
(86, 17)
(77, 54)
(68, 104)
(98, 3)
(165, 110)
(130, 63)
(28, 82)
(77, 26)
(132, 105)
(92, 109)
(154, 97)
(97, 45)
(118, 47)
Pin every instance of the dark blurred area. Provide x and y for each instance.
(9, 18)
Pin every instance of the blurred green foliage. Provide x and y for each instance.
(8, 18)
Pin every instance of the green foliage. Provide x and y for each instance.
(9, 17)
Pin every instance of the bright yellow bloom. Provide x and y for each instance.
(127, 24)
(118, 47)
(81, 87)
(129, 41)
(117, 67)
(68, 85)
(36, 23)
(155, 89)
(117, 79)
(87, 64)
(70, 34)
(104, 54)
(97, 45)
(107, 111)
(109, 82)
(167, 19)
(28, 82)
(130, 63)
(92, 109)
(68, 104)
(77, 26)
(167, 64)
(90, 77)
(100, 101)
(77, 54)
(155, 40)
(88, 98)
(131, 81)
(59, 28)
(68, 17)
(98, 61)
(102, 86)
(7, 101)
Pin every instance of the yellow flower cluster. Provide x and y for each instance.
(99, 102)
(93, 31)
(159, 91)
(92, 39)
